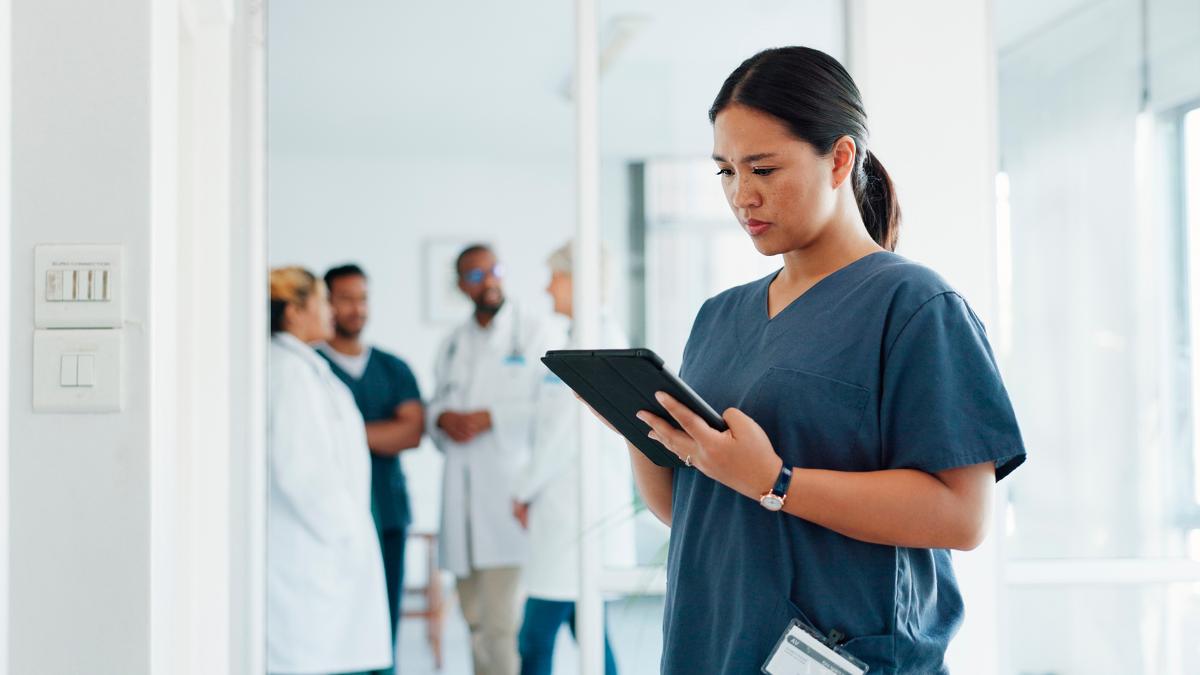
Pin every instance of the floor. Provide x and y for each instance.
(636, 634)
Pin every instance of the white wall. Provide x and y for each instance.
(929, 89)
(79, 485)
(120, 548)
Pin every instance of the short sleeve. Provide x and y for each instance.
(698, 331)
(405, 383)
(943, 404)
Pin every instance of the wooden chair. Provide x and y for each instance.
(433, 611)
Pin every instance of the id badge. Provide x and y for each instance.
(801, 652)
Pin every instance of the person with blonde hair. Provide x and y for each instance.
(326, 596)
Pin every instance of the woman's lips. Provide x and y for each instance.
(756, 227)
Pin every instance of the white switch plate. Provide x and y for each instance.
(77, 286)
(49, 348)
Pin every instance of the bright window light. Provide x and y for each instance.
(1191, 159)
(1004, 263)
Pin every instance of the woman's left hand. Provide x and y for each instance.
(741, 458)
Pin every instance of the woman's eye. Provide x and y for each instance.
(763, 172)
(724, 172)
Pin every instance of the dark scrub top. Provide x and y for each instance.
(385, 384)
(881, 365)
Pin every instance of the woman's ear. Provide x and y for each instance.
(844, 154)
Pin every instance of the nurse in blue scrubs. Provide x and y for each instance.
(867, 419)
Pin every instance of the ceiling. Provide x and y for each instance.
(459, 78)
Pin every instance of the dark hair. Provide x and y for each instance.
(473, 248)
(342, 271)
(812, 94)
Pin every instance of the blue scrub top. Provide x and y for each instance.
(386, 382)
(881, 365)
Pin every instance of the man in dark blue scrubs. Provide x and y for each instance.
(386, 393)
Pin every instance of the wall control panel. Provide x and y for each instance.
(78, 341)
(77, 286)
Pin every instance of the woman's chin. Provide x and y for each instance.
(764, 245)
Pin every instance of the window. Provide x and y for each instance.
(1191, 206)
(1099, 206)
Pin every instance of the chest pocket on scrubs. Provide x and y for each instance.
(813, 421)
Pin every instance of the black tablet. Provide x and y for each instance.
(617, 383)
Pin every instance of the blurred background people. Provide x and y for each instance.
(546, 499)
(386, 393)
(326, 595)
(487, 374)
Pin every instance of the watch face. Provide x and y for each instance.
(771, 502)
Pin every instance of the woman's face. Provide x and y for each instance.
(561, 290)
(781, 191)
(314, 321)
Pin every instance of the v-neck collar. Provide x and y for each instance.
(329, 351)
(764, 295)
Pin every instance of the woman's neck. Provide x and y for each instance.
(840, 243)
(296, 335)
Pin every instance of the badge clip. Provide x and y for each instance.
(835, 638)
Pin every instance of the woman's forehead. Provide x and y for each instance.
(742, 134)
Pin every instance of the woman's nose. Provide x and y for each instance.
(744, 195)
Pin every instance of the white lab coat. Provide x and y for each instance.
(326, 595)
(497, 369)
(550, 485)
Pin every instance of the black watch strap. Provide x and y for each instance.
(782, 483)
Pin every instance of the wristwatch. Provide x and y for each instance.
(774, 498)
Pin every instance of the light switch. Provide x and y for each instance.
(54, 286)
(87, 370)
(77, 371)
(69, 373)
(78, 286)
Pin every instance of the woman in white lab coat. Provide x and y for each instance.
(326, 596)
(546, 500)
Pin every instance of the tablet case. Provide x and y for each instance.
(617, 383)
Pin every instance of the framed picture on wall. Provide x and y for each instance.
(444, 303)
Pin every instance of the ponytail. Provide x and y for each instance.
(877, 202)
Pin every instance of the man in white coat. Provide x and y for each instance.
(486, 375)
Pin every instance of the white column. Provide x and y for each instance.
(198, 464)
(248, 333)
(926, 69)
(590, 609)
(5, 255)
